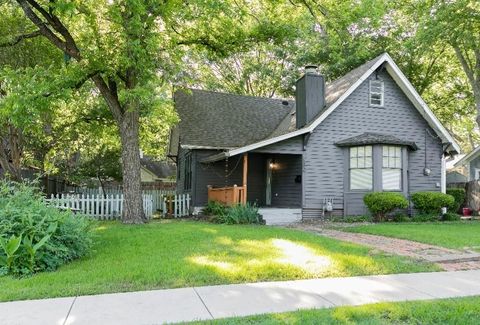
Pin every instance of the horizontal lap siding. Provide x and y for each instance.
(214, 174)
(256, 186)
(285, 191)
(180, 170)
(290, 146)
(324, 162)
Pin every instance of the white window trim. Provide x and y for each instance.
(381, 93)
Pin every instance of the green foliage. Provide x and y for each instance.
(35, 237)
(432, 202)
(426, 217)
(400, 217)
(382, 203)
(351, 219)
(237, 214)
(459, 195)
(214, 208)
(449, 216)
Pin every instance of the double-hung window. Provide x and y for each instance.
(392, 168)
(361, 171)
(376, 93)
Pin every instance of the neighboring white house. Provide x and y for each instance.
(156, 171)
(469, 165)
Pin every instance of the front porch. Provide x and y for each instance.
(264, 179)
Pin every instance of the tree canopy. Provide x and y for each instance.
(86, 81)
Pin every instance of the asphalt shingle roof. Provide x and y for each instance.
(375, 138)
(224, 121)
(161, 169)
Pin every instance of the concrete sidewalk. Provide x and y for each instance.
(205, 303)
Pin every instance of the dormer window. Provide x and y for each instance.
(376, 93)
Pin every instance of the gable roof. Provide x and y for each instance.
(375, 138)
(468, 157)
(336, 92)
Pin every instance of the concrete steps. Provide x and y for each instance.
(280, 216)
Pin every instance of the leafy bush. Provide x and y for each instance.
(240, 214)
(449, 216)
(381, 203)
(35, 237)
(459, 196)
(351, 219)
(214, 208)
(432, 202)
(401, 217)
(425, 217)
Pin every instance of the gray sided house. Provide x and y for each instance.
(366, 131)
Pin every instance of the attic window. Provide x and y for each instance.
(376, 93)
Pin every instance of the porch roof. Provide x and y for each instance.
(368, 138)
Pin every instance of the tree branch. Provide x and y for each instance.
(57, 41)
(20, 38)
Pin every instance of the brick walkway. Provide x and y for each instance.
(447, 259)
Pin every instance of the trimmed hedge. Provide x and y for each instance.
(459, 194)
(381, 203)
(432, 202)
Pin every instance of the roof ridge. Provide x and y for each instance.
(237, 95)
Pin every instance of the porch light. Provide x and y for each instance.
(272, 164)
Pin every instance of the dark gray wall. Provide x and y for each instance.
(180, 170)
(214, 174)
(283, 178)
(324, 165)
(285, 191)
(289, 146)
(256, 186)
(310, 98)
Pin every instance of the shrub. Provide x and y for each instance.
(241, 214)
(432, 202)
(35, 237)
(459, 196)
(425, 217)
(449, 216)
(351, 219)
(401, 217)
(214, 208)
(381, 203)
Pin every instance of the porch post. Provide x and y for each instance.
(245, 175)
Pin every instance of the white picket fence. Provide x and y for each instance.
(101, 207)
(176, 206)
(157, 195)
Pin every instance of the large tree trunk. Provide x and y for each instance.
(473, 195)
(132, 187)
(11, 152)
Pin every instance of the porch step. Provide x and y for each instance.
(280, 216)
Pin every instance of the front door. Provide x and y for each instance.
(268, 187)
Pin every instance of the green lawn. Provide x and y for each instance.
(448, 234)
(462, 311)
(179, 254)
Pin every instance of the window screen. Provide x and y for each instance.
(392, 168)
(361, 172)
